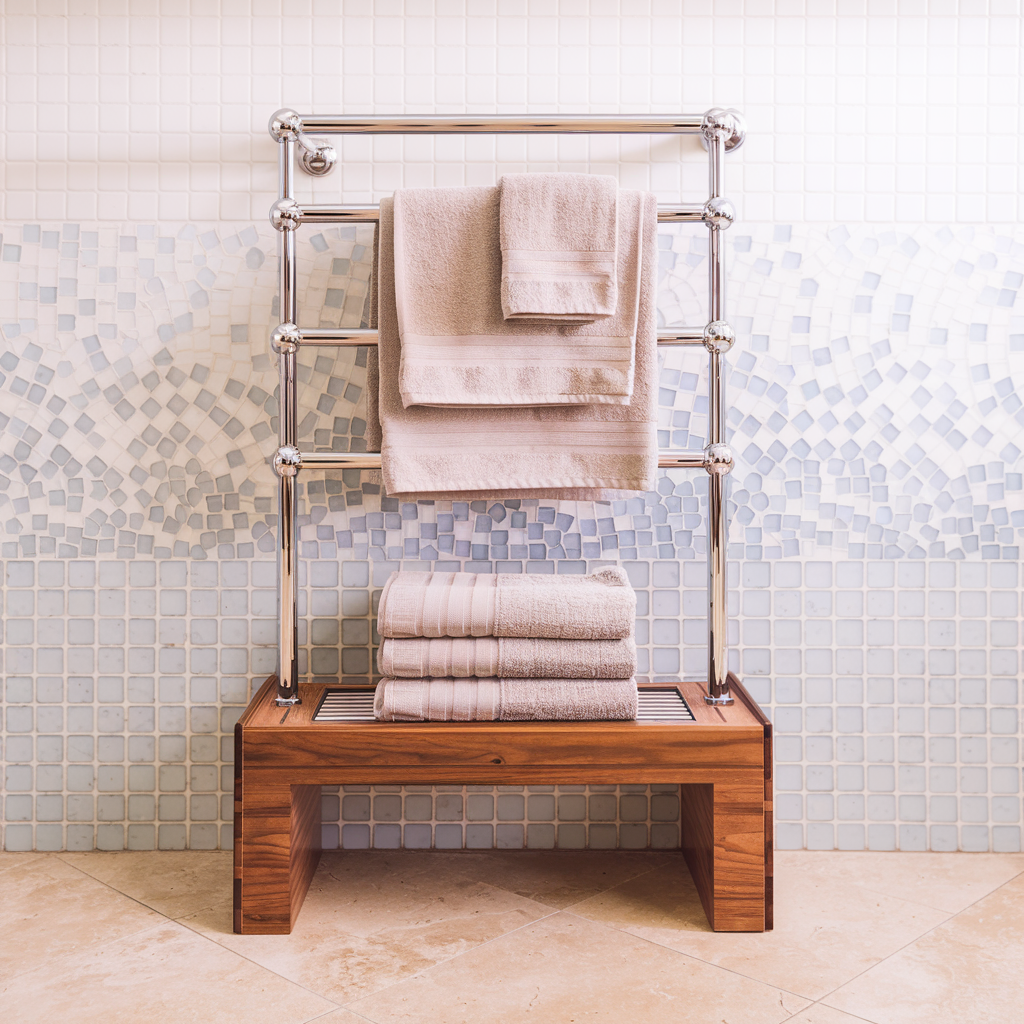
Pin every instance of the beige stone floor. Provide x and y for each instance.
(467, 938)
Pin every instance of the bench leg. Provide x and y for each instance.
(724, 846)
(277, 849)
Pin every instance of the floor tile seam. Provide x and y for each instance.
(53, 961)
(911, 942)
(818, 1002)
(582, 899)
(130, 934)
(616, 885)
(99, 947)
(693, 956)
(135, 899)
(916, 903)
(335, 1005)
(327, 1013)
(441, 963)
(114, 888)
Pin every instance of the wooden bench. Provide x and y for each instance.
(722, 762)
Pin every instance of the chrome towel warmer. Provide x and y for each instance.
(721, 130)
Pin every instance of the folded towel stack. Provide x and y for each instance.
(463, 647)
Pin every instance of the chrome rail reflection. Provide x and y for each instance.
(369, 213)
(348, 336)
(463, 124)
(667, 459)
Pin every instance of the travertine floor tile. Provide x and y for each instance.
(827, 931)
(176, 884)
(340, 1017)
(968, 969)
(819, 1013)
(49, 910)
(162, 974)
(17, 860)
(370, 921)
(946, 881)
(558, 878)
(564, 968)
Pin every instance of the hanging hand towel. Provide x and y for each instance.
(578, 452)
(511, 657)
(504, 700)
(558, 247)
(601, 606)
(458, 350)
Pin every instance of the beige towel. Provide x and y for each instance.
(558, 247)
(507, 656)
(504, 700)
(456, 348)
(579, 452)
(601, 606)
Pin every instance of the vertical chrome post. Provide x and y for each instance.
(286, 215)
(718, 129)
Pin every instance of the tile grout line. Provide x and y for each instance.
(56, 856)
(779, 988)
(817, 1002)
(692, 956)
(912, 942)
(192, 930)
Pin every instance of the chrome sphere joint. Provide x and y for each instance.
(725, 123)
(718, 212)
(284, 124)
(286, 215)
(287, 460)
(718, 337)
(285, 339)
(718, 459)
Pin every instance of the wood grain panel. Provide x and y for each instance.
(305, 841)
(265, 894)
(769, 801)
(697, 819)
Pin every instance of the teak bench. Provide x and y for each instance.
(722, 762)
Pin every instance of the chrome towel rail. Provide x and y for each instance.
(720, 131)
(289, 334)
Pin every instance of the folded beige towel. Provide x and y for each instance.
(458, 350)
(504, 700)
(507, 656)
(601, 606)
(558, 247)
(577, 452)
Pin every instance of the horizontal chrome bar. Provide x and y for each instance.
(351, 213)
(682, 336)
(688, 124)
(326, 336)
(369, 213)
(680, 212)
(667, 459)
(338, 336)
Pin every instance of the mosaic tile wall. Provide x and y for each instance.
(877, 503)
(877, 511)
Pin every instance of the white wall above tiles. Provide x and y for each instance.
(874, 283)
(884, 111)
